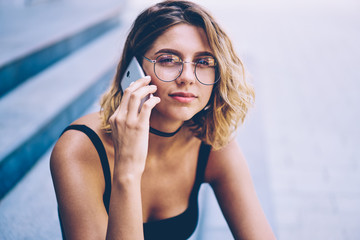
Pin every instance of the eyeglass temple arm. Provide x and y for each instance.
(152, 61)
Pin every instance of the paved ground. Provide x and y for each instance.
(41, 34)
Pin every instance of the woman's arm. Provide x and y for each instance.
(79, 185)
(229, 176)
(79, 181)
(130, 134)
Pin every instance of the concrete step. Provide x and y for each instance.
(34, 114)
(33, 38)
(29, 210)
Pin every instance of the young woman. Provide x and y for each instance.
(122, 173)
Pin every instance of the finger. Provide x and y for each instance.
(115, 120)
(146, 109)
(133, 87)
(138, 84)
(136, 98)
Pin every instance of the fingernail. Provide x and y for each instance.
(148, 77)
(131, 83)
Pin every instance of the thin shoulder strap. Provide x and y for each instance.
(102, 155)
(204, 153)
(203, 157)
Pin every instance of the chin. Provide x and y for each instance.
(178, 114)
(182, 116)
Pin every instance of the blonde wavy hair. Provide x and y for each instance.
(232, 95)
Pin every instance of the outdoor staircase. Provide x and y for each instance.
(56, 58)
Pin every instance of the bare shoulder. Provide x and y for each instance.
(75, 143)
(222, 162)
(74, 153)
(79, 182)
(229, 176)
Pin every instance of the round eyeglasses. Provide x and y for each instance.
(168, 67)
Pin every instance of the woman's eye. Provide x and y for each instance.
(165, 60)
(168, 59)
(206, 62)
(203, 62)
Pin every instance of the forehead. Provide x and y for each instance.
(184, 38)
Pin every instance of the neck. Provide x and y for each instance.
(164, 147)
(164, 134)
(162, 126)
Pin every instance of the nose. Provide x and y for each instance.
(187, 75)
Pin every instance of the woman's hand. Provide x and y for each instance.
(130, 129)
(130, 134)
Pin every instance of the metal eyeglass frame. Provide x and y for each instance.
(182, 68)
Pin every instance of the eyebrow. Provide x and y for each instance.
(176, 52)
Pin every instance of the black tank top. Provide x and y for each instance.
(178, 227)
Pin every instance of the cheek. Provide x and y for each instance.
(149, 71)
(207, 95)
(162, 88)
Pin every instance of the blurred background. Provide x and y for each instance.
(301, 139)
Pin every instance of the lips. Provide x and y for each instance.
(183, 97)
(182, 94)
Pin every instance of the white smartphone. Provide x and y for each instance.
(133, 73)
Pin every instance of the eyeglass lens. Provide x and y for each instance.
(168, 67)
